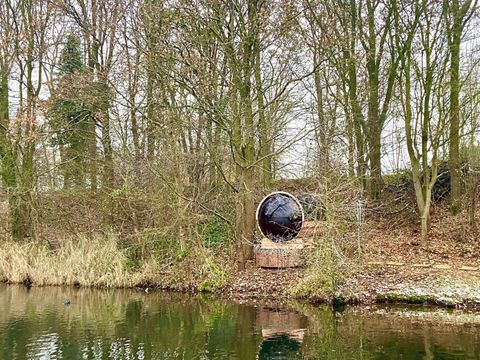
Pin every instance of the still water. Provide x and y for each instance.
(125, 324)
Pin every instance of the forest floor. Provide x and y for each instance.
(371, 283)
(397, 268)
(393, 268)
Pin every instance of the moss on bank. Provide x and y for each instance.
(398, 298)
(427, 299)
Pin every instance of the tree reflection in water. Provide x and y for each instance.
(124, 324)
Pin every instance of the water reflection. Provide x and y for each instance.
(120, 324)
(282, 333)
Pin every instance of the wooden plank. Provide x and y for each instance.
(469, 268)
(292, 244)
(421, 265)
(441, 266)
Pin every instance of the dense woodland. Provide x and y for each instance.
(163, 121)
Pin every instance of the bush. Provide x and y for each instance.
(330, 261)
(155, 244)
(216, 278)
(214, 233)
(327, 269)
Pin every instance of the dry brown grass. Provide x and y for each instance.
(95, 261)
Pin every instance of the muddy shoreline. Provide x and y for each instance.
(360, 290)
(451, 289)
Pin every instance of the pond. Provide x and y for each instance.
(39, 323)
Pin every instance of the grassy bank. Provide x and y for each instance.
(96, 262)
(100, 261)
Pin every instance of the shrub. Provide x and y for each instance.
(216, 278)
(214, 233)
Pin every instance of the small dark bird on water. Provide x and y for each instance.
(66, 302)
(27, 282)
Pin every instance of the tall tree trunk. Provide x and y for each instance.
(7, 164)
(456, 15)
(322, 126)
(357, 116)
(375, 157)
(8, 158)
(23, 225)
(454, 143)
(420, 127)
(150, 130)
(92, 151)
(264, 127)
(108, 171)
(134, 124)
(243, 133)
(374, 131)
(246, 204)
(349, 128)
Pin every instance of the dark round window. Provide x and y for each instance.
(280, 217)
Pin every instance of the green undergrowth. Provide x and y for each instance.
(159, 246)
(326, 270)
(214, 234)
(215, 279)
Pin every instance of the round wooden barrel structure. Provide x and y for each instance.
(280, 216)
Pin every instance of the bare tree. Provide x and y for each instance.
(422, 88)
(456, 15)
